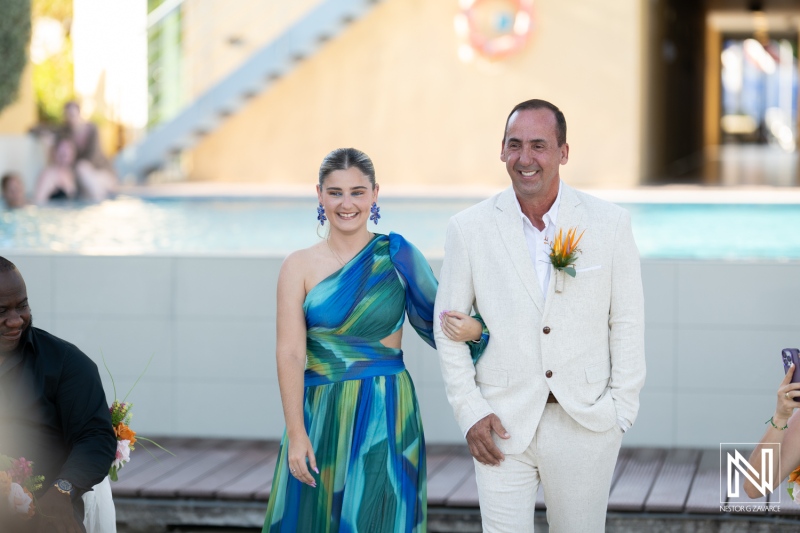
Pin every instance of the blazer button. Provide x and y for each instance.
(546, 330)
(549, 373)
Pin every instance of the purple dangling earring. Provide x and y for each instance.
(321, 215)
(375, 213)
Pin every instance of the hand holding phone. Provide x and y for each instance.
(789, 356)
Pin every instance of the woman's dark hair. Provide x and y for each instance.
(344, 158)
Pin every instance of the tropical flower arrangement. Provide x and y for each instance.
(121, 419)
(793, 485)
(126, 437)
(17, 485)
(564, 251)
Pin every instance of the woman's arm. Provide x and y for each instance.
(461, 327)
(778, 435)
(291, 358)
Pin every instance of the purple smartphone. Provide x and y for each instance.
(789, 356)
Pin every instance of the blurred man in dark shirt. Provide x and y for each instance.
(53, 411)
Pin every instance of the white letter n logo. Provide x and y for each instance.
(762, 481)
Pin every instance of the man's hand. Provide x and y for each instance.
(54, 513)
(481, 444)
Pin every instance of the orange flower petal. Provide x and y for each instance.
(580, 237)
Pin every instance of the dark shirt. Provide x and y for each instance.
(53, 412)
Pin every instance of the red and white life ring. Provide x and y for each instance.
(503, 45)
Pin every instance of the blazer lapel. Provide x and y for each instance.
(570, 214)
(510, 226)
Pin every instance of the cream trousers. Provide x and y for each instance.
(574, 466)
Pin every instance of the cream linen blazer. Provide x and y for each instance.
(594, 351)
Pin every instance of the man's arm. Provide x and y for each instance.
(87, 432)
(626, 323)
(456, 293)
(85, 421)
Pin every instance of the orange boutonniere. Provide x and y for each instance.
(564, 250)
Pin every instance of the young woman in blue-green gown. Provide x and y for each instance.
(352, 458)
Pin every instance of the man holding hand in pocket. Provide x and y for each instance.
(555, 274)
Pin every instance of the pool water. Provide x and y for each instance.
(132, 226)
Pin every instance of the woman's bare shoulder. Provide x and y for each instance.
(302, 264)
(303, 257)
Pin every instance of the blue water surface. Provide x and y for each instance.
(277, 226)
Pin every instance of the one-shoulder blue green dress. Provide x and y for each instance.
(361, 411)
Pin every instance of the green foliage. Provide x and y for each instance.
(15, 34)
(34, 483)
(53, 84)
(53, 79)
(55, 9)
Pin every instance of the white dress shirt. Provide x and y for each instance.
(540, 242)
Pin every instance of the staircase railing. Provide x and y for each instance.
(229, 92)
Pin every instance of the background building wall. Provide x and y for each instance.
(20, 116)
(392, 85)
(219, 36)
(19, 151)
(714, 331)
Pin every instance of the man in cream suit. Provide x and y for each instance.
(559, 382)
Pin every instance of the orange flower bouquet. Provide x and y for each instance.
(126, 437)
(121, 419)
(793, 485)
(17, 485)
(564, 251)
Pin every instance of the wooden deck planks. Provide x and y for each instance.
(210, 485)
(168, 486)
(704, 494)
(466, 494)
(435, 462)
(671, 485)
(167, 466)
(134, 474)
(252, 481)
(447, 479)
(646, 480)
(633, 483)
(622, 461)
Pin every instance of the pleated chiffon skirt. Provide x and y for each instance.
(370, 450)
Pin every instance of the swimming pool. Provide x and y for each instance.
(276, 226)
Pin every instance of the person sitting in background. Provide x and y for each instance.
(94, 172)
(13, 190)
(57, 181)
(782, 435)
(77, 167)
(53, 412)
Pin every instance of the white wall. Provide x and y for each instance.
(714, 334)
(22, 154)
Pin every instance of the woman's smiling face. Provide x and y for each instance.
(347, 196)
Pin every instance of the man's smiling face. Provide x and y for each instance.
(532, 154)
(15, 314)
